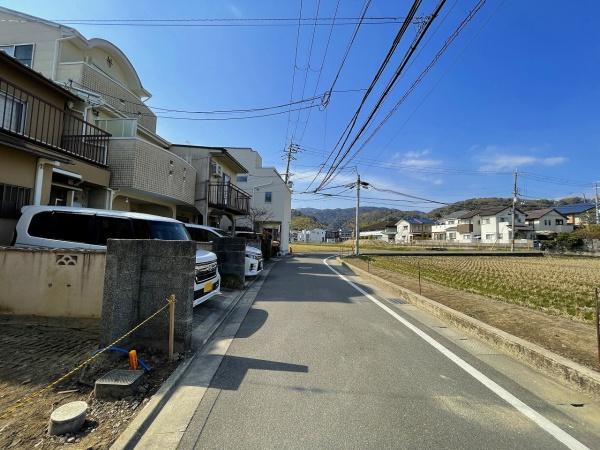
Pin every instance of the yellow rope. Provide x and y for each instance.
(170, 300)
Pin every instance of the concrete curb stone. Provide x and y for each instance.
(556, 366)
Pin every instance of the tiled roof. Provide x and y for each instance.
(538, 213)
(575, 208)
(418, 221)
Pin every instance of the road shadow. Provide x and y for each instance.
(234, 369)
(253, 322)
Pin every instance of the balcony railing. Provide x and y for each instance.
(26, 115)
(228, 197)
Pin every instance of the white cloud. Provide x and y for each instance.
(237, 12)
(414, 159)
(505, 161)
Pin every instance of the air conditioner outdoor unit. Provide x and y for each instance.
(216, 170)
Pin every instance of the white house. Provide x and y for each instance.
(547, 222)
(496, 225)
(468, 227)
(414, 229)
(270, 195)
(315, 235)
(446, 227)
(386, 233)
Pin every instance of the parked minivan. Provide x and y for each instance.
(254, 258)
(86, 228)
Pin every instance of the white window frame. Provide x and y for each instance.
(19, 45)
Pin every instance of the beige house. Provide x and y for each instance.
(271, 204)
(48, 154)
(547, 222)
(414, 229)
(218, 199)
(146, 176)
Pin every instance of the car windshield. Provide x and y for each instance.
(155, 229)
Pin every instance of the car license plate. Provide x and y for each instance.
(208, 286)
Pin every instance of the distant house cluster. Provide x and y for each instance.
(489, 225)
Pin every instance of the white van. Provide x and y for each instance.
(202, 233)
(86, 228)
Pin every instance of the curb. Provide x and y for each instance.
(136, 428)
(573, 374)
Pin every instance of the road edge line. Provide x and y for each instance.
(544, 423)
(557, 367)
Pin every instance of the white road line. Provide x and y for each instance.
(545, 424)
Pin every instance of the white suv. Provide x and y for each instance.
(86, 228)
(202, 233)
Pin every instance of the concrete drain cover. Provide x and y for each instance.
(118, 383)
(67, 418)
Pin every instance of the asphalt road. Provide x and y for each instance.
(318, 364)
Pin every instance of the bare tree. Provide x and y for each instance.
(258, 215)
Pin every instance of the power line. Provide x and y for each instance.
(382, 66)
(293, 74)
(214, 111)
(391, 191)
(422, 75)
(391, 83)
(321, 68)
(310, 50)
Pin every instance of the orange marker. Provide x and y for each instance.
(133, 361)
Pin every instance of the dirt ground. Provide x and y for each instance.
(571, 338)
(35, 352)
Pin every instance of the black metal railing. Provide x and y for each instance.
(27, 115)
(228, 197)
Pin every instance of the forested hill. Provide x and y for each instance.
(335, 218)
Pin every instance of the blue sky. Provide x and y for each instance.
(519, 89)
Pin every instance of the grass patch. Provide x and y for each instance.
(555, 285)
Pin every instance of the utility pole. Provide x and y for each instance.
(514, 204)
(597, 211)
(291, 150)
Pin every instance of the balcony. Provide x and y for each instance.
(464, 228)
(25, 115)
(229, 198)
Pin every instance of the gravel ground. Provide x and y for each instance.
(36, 351)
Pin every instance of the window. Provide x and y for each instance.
(502, 219)
(451, 236)
(268, 197)
(22, 53)
(242, 178)
(199, 234)
(489, 237)
(547, 222)
(118, 127)
(467, 237)
(12, 199)
(450, 222)
(62, 226)
(155, 229)
(12, 113)
(112, 228)
(559, 222)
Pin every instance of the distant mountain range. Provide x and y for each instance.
(375, 217)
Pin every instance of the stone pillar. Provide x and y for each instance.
(140, 275)
(231, 256)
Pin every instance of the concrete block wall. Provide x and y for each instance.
(51, 282)
(140, 276)
(231, 256)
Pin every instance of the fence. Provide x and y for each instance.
(51, 283)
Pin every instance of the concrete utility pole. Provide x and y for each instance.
(514, 204)
(597, 212)
(292, 149)
(356, 227)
